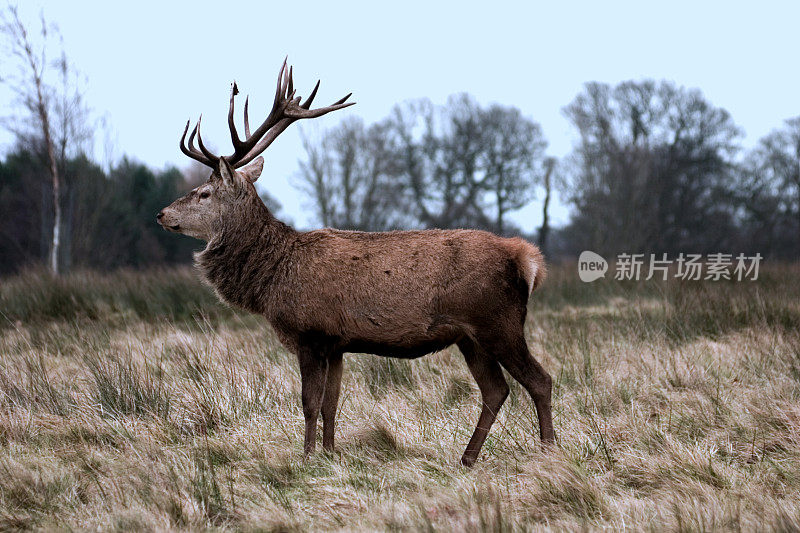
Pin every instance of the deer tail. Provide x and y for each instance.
(531, 263)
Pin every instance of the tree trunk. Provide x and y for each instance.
(545, 229)
(501, 207)
(55, 244)
(69, 194)
(500, 213)
(798, 217)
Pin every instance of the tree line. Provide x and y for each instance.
(655, 168)
(457, 165)
(658, 168)
(108, 218)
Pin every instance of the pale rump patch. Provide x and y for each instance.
(530, 261)
(534, 269)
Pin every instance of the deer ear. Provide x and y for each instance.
(226, 171)
(252, 171)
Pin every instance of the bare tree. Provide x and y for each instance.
(54, 116)
(438, 151)
(347, 174)
(451, 166)
(547, 183)
(652, 169)
(315, 179)
(771, 188)
(512, 159)
(464, 165)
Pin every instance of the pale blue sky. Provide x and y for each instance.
(152, 65)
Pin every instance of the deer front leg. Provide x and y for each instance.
(331, 400)
(313, 370)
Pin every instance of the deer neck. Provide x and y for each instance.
(241, 261)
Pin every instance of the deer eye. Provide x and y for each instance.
(205, 194)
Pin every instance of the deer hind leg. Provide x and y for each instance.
(330, 401)
(494, 391)
(518, 361)
(313, 370)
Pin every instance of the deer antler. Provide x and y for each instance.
(286, 109)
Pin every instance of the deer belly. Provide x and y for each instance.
(403, 338)
(400, 350)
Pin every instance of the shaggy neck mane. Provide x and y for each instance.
(240, 262)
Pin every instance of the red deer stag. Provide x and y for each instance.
(326, 292)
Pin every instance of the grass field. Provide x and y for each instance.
(135, 401)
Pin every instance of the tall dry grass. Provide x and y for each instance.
(134, 401)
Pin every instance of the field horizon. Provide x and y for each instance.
(136, 401)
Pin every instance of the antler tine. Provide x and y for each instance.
(280, 91)
(344, 99)
(191, 142)
(231, 124)
(203, 148)
(307, 104)
(286, 85)
(190, 151)
(243, 147)
(246, 118)
(303, 112)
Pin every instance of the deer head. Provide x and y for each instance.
(229, 188)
